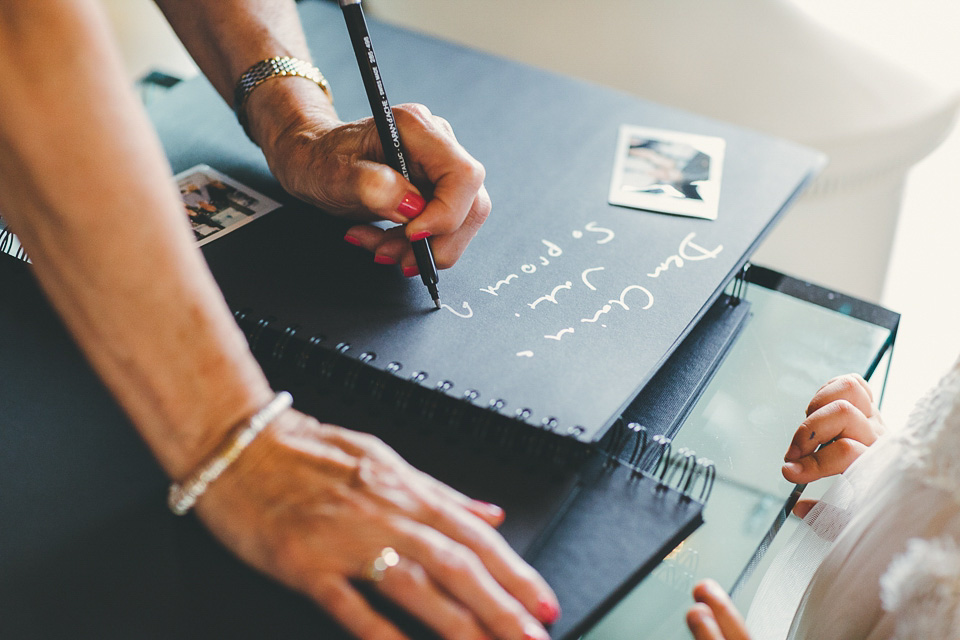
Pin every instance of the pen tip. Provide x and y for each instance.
(436, 301)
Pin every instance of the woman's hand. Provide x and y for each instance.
(842, 417)
(715, 617)
(340, 167)
(313, 505)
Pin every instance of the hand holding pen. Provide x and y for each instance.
(341, 168)
(390, 139)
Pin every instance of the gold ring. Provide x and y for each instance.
(375, 570)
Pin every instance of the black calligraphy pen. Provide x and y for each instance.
(386, 126)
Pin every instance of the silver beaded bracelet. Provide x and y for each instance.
(183, 496)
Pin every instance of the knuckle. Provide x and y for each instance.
(474, 222)
(473, 170)
(848, 385)
(453, 564)
(414, 109)
(482, 210)
(373, 443)
(431, 512)
(369, 443)
(444, 124)
(845, 448)
(845, 409)
(864, 385)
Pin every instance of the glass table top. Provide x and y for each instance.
(743, 423)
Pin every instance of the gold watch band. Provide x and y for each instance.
(276, 67)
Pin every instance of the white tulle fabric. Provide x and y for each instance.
(879, 557)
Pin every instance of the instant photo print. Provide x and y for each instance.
(216, 204)
(667, 172)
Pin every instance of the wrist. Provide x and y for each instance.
(197, 434)
(219, 387)
(183, 494)
(282, 106)
(264, 470)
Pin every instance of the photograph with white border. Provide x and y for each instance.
(217, 204)
(667, 172)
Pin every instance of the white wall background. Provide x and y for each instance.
(923, 281)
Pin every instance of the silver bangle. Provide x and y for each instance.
(183, 496)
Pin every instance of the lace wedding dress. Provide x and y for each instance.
(879, 557)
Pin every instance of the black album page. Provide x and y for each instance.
(563, 305)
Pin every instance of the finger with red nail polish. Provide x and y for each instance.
(411, 205)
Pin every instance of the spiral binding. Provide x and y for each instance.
(628, 445)
(413, 397)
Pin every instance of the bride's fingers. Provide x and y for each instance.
(724, 611)
(830, 460)
(803, 507)
(850, 387)
(702, 624)
(839, 419)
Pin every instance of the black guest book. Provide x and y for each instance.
(574, 337)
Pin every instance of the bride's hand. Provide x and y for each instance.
(843, 418)
(715, 617)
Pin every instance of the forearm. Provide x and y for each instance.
(85, 185)
(227, 37)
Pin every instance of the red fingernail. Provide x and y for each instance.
(412, 205)
(532, 631)
(547, 611)
(411, 271)
(419, 236)
(349, 238)
(384, 260)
